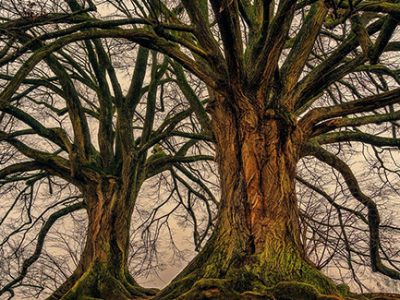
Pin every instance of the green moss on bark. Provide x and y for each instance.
(293, 290)
(253, 277)
(99, 283)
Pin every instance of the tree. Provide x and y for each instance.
(283, 81)
(70, 121)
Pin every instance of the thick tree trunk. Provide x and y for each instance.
(255, 252)
(102, 271)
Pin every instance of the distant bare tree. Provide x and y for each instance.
(88, 125)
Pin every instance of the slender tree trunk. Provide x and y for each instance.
(256, 251)
(102, 271)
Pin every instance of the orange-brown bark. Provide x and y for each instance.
(261, 159)
(256, 249)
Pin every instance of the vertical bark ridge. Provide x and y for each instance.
(256, 249)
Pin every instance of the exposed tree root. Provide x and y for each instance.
(219, 289)
(136, 289)
(250, 282)
(220, 273)
(99, 283)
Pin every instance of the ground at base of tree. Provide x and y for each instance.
(288, 293)
(211, 290)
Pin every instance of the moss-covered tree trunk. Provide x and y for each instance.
(256, 251)
(102, 272)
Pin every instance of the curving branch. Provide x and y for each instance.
(269, 46)
(227, 17)
(337, 123)
(303, 44)
(39, 245)
(355, 190)
(312, 80)
(19, 168)
(367, 104)
(356, 136)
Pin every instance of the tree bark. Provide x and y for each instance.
(256, 251)
(102, 272)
